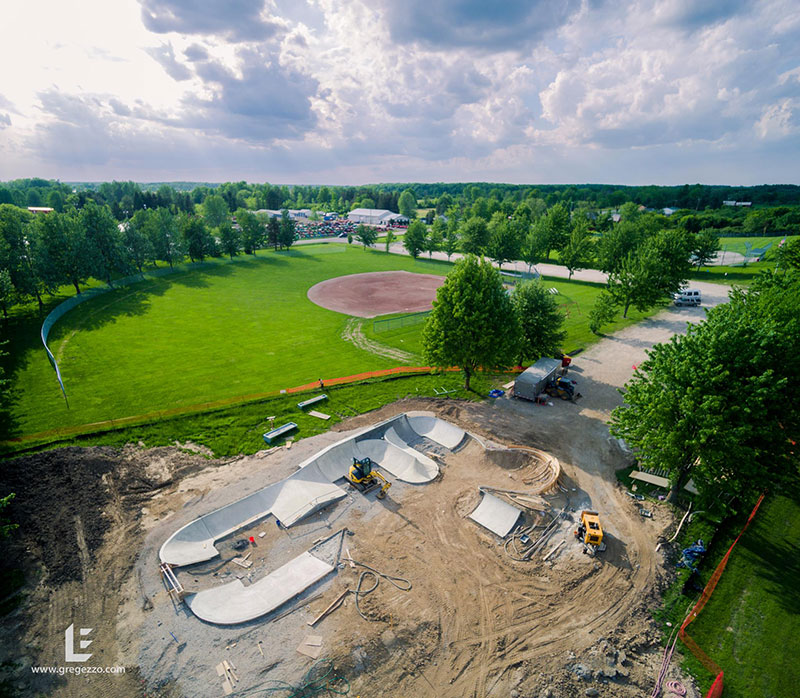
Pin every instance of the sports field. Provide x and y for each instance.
(216, 331)
(221, 330)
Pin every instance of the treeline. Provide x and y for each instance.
(125, 198)
(42, 252)
(647, 255)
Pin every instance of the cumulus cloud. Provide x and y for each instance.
(164, 55)
(241, 20)
(444, 24)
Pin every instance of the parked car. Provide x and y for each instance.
(688, 296)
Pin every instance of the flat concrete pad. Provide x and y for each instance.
(233, 603)
(496, 515)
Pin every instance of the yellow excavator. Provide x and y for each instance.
(365, 478)
(590, 533)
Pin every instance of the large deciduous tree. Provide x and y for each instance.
(540, 321)
(252, 230)
(216, 211)
(579, 250)
(165, 236)
(230, 239)
(407, 203)
(504, 239)
(198, 240)
(287, 230)
(414, 239)
(472, 324)
(366, 235)
(721, 404)
(103, 241)
(555, 226)
(474, 236)
(706, 246)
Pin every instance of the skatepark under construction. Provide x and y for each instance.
(406, 446)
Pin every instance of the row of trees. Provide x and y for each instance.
(467, 199)
(475, 324)
(721, 404)
(40, 253)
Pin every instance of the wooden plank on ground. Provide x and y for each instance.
(651, 479)
(319, 415)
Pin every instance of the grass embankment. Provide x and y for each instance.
(234, 430)
(749, 627)
(221, 330)
(576, 298)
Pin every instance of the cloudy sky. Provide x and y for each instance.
(358, 91)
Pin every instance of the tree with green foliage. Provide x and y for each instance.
(7, 292)
(60, 250)
(789, 254)
(136, 242)
(474, 235)
(721, 404)
(366, 235)
(198, 240)
(435, 238)
(616, 243)
(389, 240)
(540, 321)
(630, 284)
(706, 246)
(407, 203)
(533, 245)
(215, 210)
(472, 324)
(287, 233)
(230, 239)
(165, 236)
(504, 239)
(414, 239)
(578, 252)
(451, 242)
(555, 226)
(252, 230)
(603, 311)
(103, 241)
(274, 232)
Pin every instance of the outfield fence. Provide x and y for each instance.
(716, 688)
(395, 323)
(63, 308)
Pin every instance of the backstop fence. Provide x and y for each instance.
(395, 323)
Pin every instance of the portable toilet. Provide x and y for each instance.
(534, 379)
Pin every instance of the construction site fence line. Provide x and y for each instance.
(716, 688)
(110, 424)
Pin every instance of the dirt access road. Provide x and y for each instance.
(475, 623)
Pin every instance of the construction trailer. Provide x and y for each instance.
(533, 380)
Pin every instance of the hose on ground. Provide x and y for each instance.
(320, 679)
(370, 572)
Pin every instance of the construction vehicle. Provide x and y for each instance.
(365, 478)
(563, 388)
(590, 533)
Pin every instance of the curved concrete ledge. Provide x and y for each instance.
(233, 603)
(311, 486)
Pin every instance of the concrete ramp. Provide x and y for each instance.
(233, 603)
(496, 515)
(303, 493)
(435, 429)
(404, 463)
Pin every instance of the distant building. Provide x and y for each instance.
(376, 216)
(40, 209)
(737, 203)
(668, 211)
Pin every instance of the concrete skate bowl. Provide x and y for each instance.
(541, 469)
(304, 492)
(312, 486)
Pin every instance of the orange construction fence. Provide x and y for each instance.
(716, 688)
(108, 424)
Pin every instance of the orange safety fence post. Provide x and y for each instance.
(716, 688)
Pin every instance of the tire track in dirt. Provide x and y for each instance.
(354, 334)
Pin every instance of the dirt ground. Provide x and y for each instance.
(475, 622)
(377, 293)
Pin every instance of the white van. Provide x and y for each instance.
(688, 296)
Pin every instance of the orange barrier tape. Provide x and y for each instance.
(706, 661)
(109, 424)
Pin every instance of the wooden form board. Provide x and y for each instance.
(652, 479)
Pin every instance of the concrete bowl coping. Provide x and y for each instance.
(311, 486)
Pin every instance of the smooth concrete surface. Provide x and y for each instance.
(235, 603)
(311, 487)
(496, 515)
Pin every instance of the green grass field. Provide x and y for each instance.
(223, 330)
(575, 297)
(750, 625)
